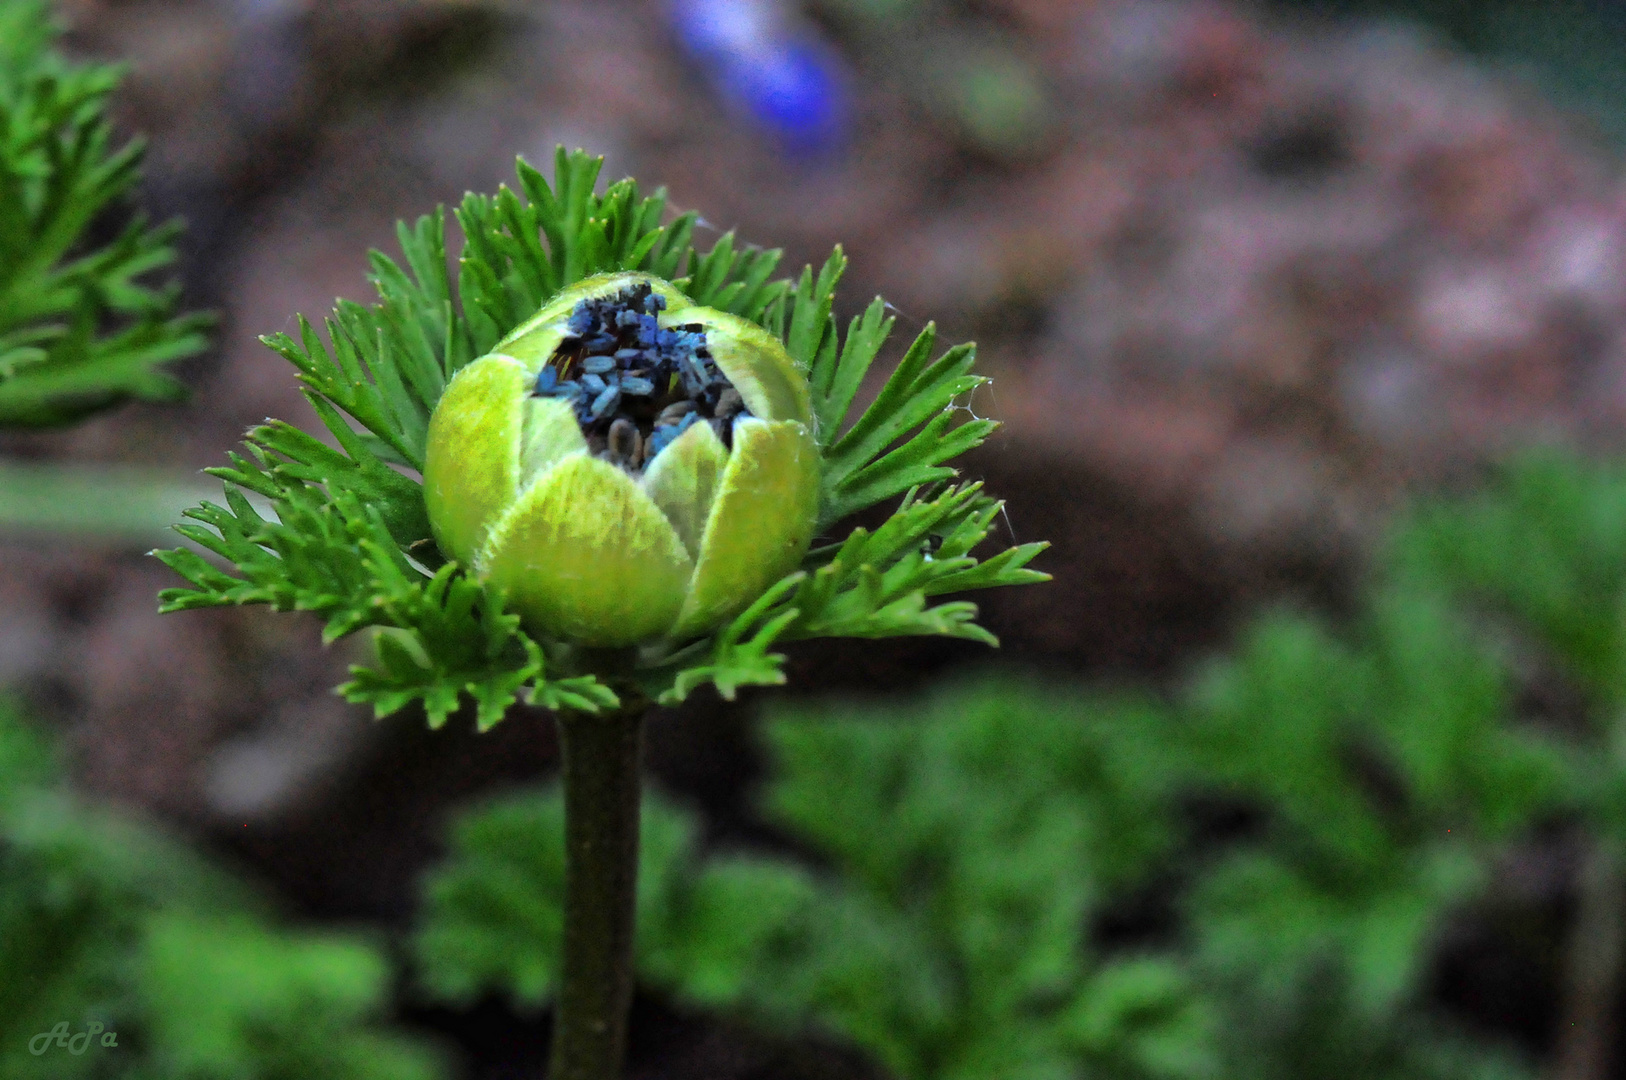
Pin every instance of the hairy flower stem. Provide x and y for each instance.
(601, 756)
(1592, 976)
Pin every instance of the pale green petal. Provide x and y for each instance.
(534, 340)
(471, 463)
(755, 361)
(761, 522)
(683, 481)
(550, 434)
(586, 556)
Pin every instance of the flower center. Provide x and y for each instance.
(634, 384)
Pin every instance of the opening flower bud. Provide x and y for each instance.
(625, 465)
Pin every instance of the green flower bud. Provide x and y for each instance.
(625, 465)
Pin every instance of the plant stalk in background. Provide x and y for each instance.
(1597, 945)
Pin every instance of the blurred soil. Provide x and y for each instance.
(1242, 288)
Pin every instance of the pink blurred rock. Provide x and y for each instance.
(1362, 266)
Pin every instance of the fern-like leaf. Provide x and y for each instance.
(80, 328)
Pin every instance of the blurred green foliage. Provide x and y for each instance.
(1252, 881)
(1385, 769)
(154, 964)
(104, 920)
(79, 328)
(969, 847)
(1543, 553)
(496, 907)
(971, 843)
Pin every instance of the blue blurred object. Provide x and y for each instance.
(766, 67)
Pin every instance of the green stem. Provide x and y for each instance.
(601, 754)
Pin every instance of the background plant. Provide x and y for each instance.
(969, 845)
(1297, 834)
(80, 327)
(106, 919)
(1387, 775)
(83, 325)
(1537, 562)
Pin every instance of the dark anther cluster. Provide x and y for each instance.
(635, 385)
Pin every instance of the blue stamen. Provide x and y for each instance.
(605, 401)
(581, 318)
(692, 363)
(662, 436)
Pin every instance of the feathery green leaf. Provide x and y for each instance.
(80, 328)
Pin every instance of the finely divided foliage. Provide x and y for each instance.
(350, 537)
(968, 846)
(78, 327)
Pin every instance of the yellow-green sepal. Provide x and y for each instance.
(549, 433)
(760, 525)
(471, 470)
(684, 479)
(585, 555)
(755, 361)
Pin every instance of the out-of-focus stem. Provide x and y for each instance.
(601, 756)
(1592, 972)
